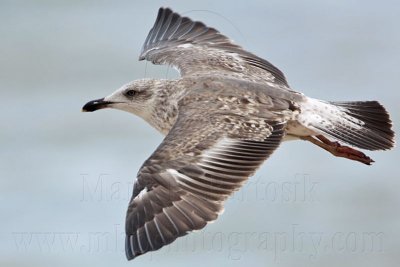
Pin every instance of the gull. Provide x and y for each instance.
(223, 117)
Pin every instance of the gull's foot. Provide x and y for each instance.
(338, 150)
(351, 153)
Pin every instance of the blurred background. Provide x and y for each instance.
(66, 176)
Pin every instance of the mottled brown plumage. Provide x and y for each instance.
(222, 119)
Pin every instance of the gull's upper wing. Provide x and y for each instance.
(204, 158)
(194, 48)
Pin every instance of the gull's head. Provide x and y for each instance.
(135, 97)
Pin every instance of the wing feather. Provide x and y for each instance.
(182, 187)
(205, 49)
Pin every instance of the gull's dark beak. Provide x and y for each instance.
(95, 105)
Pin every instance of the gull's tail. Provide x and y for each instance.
(363, 124)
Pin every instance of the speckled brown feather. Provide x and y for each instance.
(222, 119)
(206, 156)
(198, 50)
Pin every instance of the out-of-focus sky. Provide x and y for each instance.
(66, 176)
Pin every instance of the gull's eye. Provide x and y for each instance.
(130, 93)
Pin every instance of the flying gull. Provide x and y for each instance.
(221, 120)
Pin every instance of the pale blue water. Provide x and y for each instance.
(66, 176)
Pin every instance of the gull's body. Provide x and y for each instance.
(225, 115)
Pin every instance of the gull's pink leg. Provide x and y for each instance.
(338, 150)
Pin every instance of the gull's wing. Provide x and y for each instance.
(194, 48)
(204, 158)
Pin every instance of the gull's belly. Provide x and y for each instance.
(294, 130)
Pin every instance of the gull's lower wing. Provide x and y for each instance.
(184, 184)
(193, 47)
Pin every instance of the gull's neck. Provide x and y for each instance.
(163, 111)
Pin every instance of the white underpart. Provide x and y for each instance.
(323, 114)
